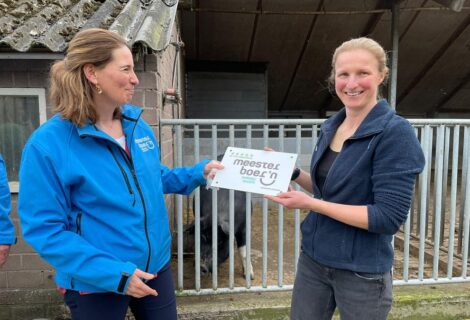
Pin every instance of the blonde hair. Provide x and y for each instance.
(364, 43)
(70, 91)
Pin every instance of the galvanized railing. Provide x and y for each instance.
(431, 247)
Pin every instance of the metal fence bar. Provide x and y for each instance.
(453, 200)
(298, 145)
(438, 198)
(280, 223)
(406, 249)
(466, 217)
(423, 195)
(445, 181)
(214, 214)
(185, 122)
(265, 221)
(197, 218)
(179, 207)
(231, 216)
(248, 221)
(463, 200)
(428, 152)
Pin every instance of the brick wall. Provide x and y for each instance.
(27, 288)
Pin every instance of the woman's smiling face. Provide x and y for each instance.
(117, 78)
(357, 78)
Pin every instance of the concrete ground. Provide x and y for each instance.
(424, 302)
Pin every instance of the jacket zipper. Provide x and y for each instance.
(130, 164)
(126, 178)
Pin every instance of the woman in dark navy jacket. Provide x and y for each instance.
(362, 177)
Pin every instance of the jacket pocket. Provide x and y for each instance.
(78, 223)
(334, 241)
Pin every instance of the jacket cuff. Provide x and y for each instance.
(126, 274)
(8, 240)
(199, 169)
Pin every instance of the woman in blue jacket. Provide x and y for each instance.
(91, 198)
(363, 171)
(7, 229)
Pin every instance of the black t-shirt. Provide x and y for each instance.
(324, 166)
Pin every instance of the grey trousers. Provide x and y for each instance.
(318, 290)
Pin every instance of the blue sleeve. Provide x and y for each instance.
(7, 229)
(398, 160)
(43, 206)
(183, 180)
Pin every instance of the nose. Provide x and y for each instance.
(133, 78)
(351, 82)
(204, 270)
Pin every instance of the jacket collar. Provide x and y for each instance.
(374, 122)
(128, 111)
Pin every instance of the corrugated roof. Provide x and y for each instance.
(28, 24)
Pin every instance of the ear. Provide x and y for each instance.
(90, 73)
(383, 75)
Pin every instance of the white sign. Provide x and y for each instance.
(258, 171)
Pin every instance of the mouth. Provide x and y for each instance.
(354, 94)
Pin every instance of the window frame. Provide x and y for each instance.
(41, 94)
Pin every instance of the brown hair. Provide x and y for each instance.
(360, 43)
(70, 91)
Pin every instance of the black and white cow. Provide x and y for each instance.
(223, 228)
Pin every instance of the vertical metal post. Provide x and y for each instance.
(280, 223)
(214, 214)
(231, 234)
(179, 207)
(298, 149)
(392, 94)
(453, 199)
(197, 216)
(423, 181)
(265, 220)
(463, 185)
(248, 221)
(439, 167)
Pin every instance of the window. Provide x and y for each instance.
(22, 110)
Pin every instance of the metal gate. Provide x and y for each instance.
(431, 247)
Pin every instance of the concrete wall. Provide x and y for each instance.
(27, 288)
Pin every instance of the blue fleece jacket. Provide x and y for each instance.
(7, 230)
(94, 213)
(376, 167)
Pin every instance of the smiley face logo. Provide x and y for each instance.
(270, 180)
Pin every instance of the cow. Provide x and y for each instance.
(223, 228)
